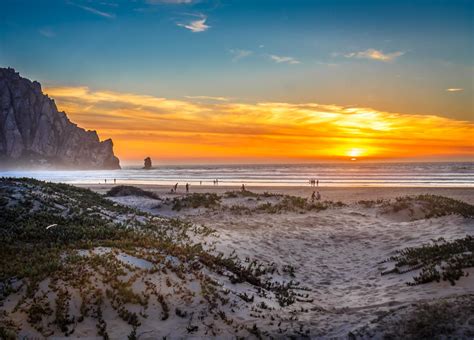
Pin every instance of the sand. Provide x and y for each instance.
(335, 253)
(345, 194)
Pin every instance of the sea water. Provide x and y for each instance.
(334, 174)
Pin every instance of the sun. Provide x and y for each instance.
(355, 152)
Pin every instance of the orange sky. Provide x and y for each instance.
(207, 129)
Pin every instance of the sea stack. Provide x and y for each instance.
(147, 165)
(34, 133)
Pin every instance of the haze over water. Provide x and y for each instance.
(329, 174)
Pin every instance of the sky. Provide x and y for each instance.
(255, 81)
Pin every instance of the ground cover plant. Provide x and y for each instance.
(436, 261)
(128, 190)
(63, 246)
(449, 318)
(422, 206)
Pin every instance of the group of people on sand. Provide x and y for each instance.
(174, 189)
(314, 182)
(115, 181)
(216, 181)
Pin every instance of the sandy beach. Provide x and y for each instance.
(329, 255)
(335, 252)
(344, 194)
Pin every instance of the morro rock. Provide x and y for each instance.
(34, 133)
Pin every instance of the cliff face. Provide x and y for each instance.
(33, 132)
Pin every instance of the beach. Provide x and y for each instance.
(308, 269)
(335, 252)
(346, 194)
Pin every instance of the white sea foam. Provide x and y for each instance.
(342, 174)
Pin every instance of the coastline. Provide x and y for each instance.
(345, 194)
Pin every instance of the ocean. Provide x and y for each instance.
(328, 174)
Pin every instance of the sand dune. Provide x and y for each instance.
(321, 267)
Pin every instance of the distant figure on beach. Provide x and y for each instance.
(115, 181)
(105, 181)
(313, 197)
(312, 182)
(176, 187)
(318, 196)
(187, 187)
(317, 182)
(217, 181)
(200, 182)
(243, 187)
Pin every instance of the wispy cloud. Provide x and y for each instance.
(95, 11)
(170, 128)
(374, 54)
(196, 26)
(287, 60)
(47, 32)
(240, 54)
(220, 99)
(455, 89)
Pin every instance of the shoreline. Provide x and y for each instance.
(344, 194)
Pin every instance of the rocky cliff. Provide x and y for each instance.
(34, 133)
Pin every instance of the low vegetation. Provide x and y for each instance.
(195, 201)
(450, 318)
(421, 206)
(439, 260)
(59, 242)
(128, 190)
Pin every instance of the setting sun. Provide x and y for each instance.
(355, 152)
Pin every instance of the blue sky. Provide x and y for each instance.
(399, 56)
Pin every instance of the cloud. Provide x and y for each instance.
(375, 55)
(287, 60)
(220, 99)
(95, 11)
(47, 32)
(171, 129)
(455, 89)
(196, 25)
(240, 54)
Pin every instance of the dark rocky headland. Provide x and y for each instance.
(33, 133)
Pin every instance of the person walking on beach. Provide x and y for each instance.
(313, 196)
(317, 182)
(176, 187)
(105, 181)
(243, 187)
(318, 196)
(115, 181)
(187, 188)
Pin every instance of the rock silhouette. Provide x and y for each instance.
(33, 132)
(147, 163)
